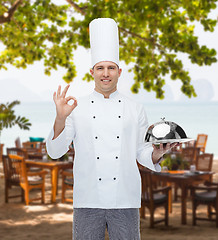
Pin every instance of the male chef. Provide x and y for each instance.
(108, 131)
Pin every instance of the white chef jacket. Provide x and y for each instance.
(108, 136)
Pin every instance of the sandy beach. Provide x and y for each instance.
(54, 221)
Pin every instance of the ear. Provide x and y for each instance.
(120, 71)
(92, 72)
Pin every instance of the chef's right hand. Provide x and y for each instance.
(63, 108)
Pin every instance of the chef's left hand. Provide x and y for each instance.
(159, 151)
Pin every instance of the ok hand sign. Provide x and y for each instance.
(63, 108)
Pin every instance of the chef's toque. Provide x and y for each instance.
(104, 40)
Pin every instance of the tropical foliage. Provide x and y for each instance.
(152, 36)
(175, 162)
(8, 118)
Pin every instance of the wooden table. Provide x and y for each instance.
(183, 179)
(54, 167)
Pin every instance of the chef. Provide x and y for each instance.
(108, 131)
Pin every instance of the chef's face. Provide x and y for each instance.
(106, 76)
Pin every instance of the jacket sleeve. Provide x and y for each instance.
(144, 150)
(57, 147)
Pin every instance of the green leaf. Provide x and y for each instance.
(152, 35)
(9, 119)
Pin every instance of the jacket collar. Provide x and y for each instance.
(101, 96)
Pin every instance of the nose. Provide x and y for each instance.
(106, 73)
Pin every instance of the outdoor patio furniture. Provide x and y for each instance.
(205, 195)
(204, 162)
(17, 151)
(67, 183)
(184, 179)
(201, 142)
(153, 197)
(55, 167)
(31, 146)
(17, 142)
(11, 178)
(22, 153)
(28, 180)
(189, 154)
(1, 151)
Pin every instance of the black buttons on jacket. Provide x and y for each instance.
(96, 137)
(99, 179)
(93, 116)
(97, 157)
(119, 116)
(118, 136)
(92, 101)
(116, 157)
(119, 100)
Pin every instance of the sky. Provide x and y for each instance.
(32, 84)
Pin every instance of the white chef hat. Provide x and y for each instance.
(104, 40)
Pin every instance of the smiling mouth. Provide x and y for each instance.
(105, 80)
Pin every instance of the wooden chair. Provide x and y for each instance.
(205, 195)
(189, 144)
(34, 149)
(31, 146)
(11, 177)
(204, 162)
(1, 151)
(42, 147)
(71, 153)
(201, 142)
(188, 154)
(17, 151)
(153, 197)
(17, 143)
(29, 180)
(22, 153)
(67, 183)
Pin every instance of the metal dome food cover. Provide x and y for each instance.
(166, 132)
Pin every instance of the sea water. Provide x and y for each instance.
(194, 118)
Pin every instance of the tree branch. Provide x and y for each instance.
(6, 17)
(76, 6)
(140, 37)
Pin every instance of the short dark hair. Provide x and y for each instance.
(113, 62)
